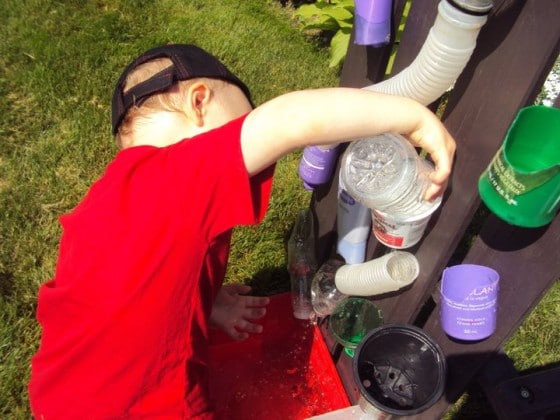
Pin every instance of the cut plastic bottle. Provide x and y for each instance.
(302, 264)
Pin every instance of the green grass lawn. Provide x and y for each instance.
(59, 61)
(58, 65)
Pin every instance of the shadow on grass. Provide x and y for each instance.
(270, 281)
(7, 284)
(474, 406)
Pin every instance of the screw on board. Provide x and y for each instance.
(526, 394)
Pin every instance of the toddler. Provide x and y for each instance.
(142, 258)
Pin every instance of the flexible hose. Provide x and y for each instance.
(388, 273)
(444, 55)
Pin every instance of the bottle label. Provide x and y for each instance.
(510, 183)
(317, 164)
(346, 198)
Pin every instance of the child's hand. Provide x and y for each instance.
(232, 311)
(434, 138)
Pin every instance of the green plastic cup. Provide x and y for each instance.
(352, 319)
(522, 183)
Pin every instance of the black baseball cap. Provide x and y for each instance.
(189, 61)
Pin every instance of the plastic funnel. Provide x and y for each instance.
(399, 369)
(352, 319)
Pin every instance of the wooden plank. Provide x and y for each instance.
(479, 121)
(515, 53)
(514, 396)
(527, 260)
(530, 396)
(363, 66)
(420, 19)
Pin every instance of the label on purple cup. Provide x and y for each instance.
(469, 301)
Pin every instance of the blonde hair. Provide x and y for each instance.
(171, 100)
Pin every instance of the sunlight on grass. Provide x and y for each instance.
(58, 64)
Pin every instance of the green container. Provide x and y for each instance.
(352, 319)
(522, 183)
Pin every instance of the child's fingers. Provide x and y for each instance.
(237, 288)
(255, 313)
(242, 329)
(237, 335)
(256, 301)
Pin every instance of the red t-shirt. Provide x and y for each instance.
(141, 259)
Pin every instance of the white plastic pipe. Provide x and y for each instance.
(388, 273)
(444, 55)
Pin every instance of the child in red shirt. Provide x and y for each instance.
(142, 258)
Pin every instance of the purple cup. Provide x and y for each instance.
(372, 22)
(469, 301)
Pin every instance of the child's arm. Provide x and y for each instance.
(336, 115)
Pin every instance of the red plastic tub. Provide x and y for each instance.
(284, 373)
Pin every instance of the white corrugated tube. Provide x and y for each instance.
(445, 53)
(441, 60)
(388, 273)
(443, 56)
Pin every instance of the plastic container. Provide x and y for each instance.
(399, 370)
(372, 22)
(302, 264)
(351, 320)
(469, 301)
(285, 372)
(522, 183)
(317, 165)
(400, 231)
(324, 293)
(388, 273)
(353, 222)
(385, 173)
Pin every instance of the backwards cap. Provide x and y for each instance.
(189, 62)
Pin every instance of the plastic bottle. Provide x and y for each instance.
(317, 165)
(372, 22)
(302, 264)
(353, 222)
(324, 294)
(384, 172)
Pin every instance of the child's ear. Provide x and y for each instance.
(198, 97)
